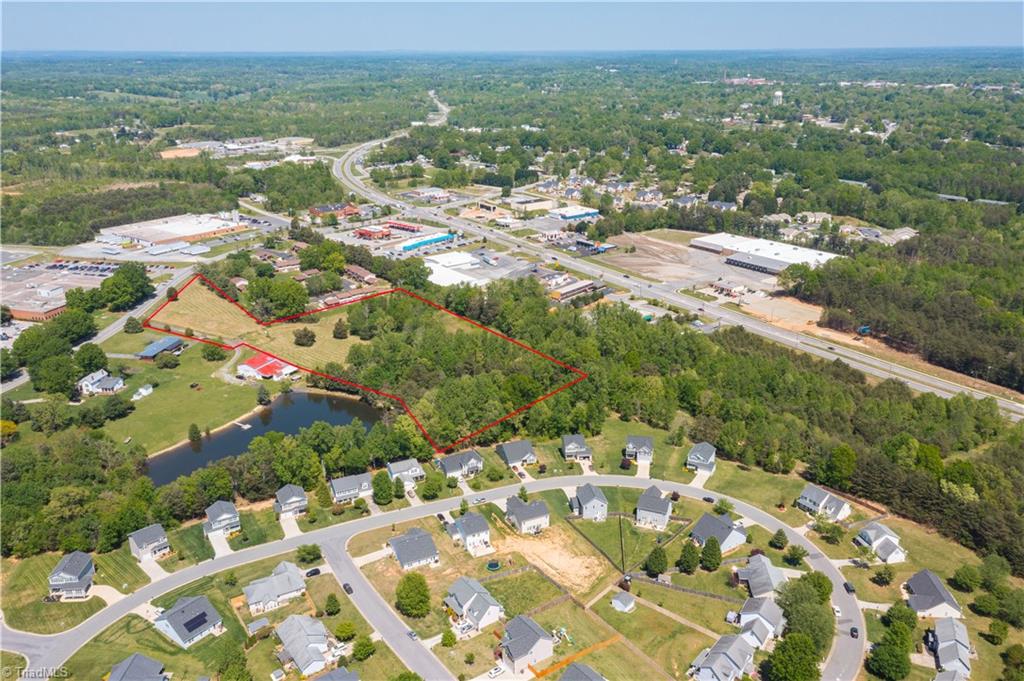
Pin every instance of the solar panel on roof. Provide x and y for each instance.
(196, 622)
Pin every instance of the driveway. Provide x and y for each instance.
(220, 544)
(290, 525)
(643, 470)
(153, 569)
(699, 478)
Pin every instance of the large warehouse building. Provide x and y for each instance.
(760, 255)
(174, 229)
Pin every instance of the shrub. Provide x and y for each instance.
(308, 553)
(363, 648)
(778, 540)
(304, 337)
(331, 606)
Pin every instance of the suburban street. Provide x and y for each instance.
(47, 653)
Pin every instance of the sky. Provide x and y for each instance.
(506, 26)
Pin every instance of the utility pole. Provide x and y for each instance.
(622, 547)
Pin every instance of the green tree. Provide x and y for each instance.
(778, 540)
(308, 553)
(722, 507)
(132, 325)
(194, 436)
(966, 578)
(126, 287)
(166, 360)
(711, 555)
(998, 630)
(383, 490)
(522, 493)
(794, 659)
(296, 464)
(90, 357)
(331, 606)
(412, 595)
(57, 375)
(689, 558)
(117, 407)
(213, 353)
(345, 631)
(902, 613)
(231, 579)
(262, 395)
(463, 507)
(363, 648)
(398, 488)
(656, 562)
(822, 585)
(883, 575)
(994, 571)
(340, 329)
(795, 554)
(304, 337)
(889, 663)
(448, 638)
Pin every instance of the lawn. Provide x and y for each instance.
(11, 664)
(522, 592)
(671, 644)
(188, 545)
(621, 539)
(316, 516)
(120, 570)
(25, 583)
(549, 454)
(762, 489)
(129, 343)
(718, 582)
(699, 295)
(492, 462)
(707, 612)
(258, 527)
(608, 446)
(481, 647)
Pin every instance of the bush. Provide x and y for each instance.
(304, 337)
(779, 540)
(883, 575)
(494, 474)
(967, 578)
(363, 648)
(213, 353)
(132, 325)
(795, 555)
(308, 553)
(625, 464)
(331, 606)
(997, 632)
(448, 638)
(345, 631)
(166, 360)
(986, 605)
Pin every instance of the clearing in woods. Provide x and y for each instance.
(202, 312)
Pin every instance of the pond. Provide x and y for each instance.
(287, 414)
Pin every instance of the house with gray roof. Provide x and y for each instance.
(527, 518)
(517, 453)
(882, 541)
(730, 535)
(760, 621)
(137, 667)
(817, 501)
(470, 602)
(409, 470)
(222, 516)
(578, 671)
(701, 457)
(290, 500)
(149, 543)
(652, 509)
(929, 597)
(189, 620)
(100, 382)
(762, 578)
(256, 625)
(340, 674)
(525, 643)
(463, 465)
(306, 644)
(949, 642)
(414, 548)
(473, 532)
(574, 448)
(640, 448)
(624, 602)
(351, 487)
(284, 584)
(949, 676)
(72, 576)
(728, 660)
(590, 503)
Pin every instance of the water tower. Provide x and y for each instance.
(777, 98)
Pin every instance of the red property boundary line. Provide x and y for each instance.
(580, 375)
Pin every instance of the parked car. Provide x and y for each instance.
(313, 573)
(496, 672)
(854, 632)
(710, 500)
(836, 611)
(347, 588)
(479, 500)
(522, 475)
(440, 516)
(413, 635)
(850, 588)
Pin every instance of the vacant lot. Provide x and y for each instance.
(522, 592)
(188, 546)
(120, 570)
(205, 313)
(258, 527)
(759, 488)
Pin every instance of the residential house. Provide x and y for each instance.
(573, 194)
(882, 541)
(527, 518)
(284, 584)
(190, 619)
(725, 206)
(701, 457)
(590, 503)
(222, 516)
(949, 641)
(361, 274)
(949, 676)
(645, 195)
(817, 501)
(929, 597)
(414, 548)
(624, 602)
(686, 201)
(517, 453)
(574, 448)
(473, 604)
(728, 660)
(339, 674)
(463, 465)
(578, 671)
(351, 487)
(763, 579)
(149, 543)
(639, 448)
(652, 509)
(306, 644)
(761, 620)
(409, 470)
(472, 531)
(290, 501)
(263, 366)
(525, 644)
(730, 535)
(137, 667)
(100, 382)
(72, 576)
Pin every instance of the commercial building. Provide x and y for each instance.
(574, 213)
(760, 255)
(431, 240)
(173, 229)
(570, 291)
(373, 232)
(36, 293)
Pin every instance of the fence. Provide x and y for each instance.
(641, 577)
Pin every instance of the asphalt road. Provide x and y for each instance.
(46, 653)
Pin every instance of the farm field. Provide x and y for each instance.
(25, 583)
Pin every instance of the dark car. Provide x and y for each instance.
(710, 500)
(854, 632)
(440, 516)
(849, 588)
(347, 587)
(313, 573)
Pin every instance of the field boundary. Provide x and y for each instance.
(440, 449)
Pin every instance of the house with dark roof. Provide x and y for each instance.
(517, 453)
(574, 448)
(577, 671)
(640, 448)
(165, 344)
(100, 382)
(149, 543)
(137, 667)
(409, 470)
(949, 642)
(525, 643)
(882, 541)
(222, 516)
(72, 576)
(285, 583)
(470, 602)
(652, 509)
(340, 674)
(728, 660)
(761, 620)
(817, 501)
(762, 578)
(590, 503)
(472, 531)
(929, 597)
(527, 518)
(306, 644)
(351, 487)
(190, 619)
(463, 465)
(290, 500)
(730, 535)
(701, 457)
(414, 548)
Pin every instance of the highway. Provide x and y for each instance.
(48, 653)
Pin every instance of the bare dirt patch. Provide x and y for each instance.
(180, 153)
(552, 551)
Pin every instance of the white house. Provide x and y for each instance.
(929, 597)
(639, 448)
(760, 621)
(518, 453)
(306, 644)
(590, 503)
(728, 660)
(525, 644)
(762, 578)
(100, 382)
(882, 541)
(409, 470)
(527, 518)
(471, 603)
(730, 535)
(574, 448)
(701, 457)
(351, 487)
(222, 517)
(149, 543)
(653, 510)
(949, 641)
(284, 584)
(290, 500)
(414, 548)
(817, 501)
(463, 465)
(473, 532)
(72, 576)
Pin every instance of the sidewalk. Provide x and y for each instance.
(370, 557)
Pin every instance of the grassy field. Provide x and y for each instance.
(188, 545)
(317, 516)
(699, 295)
(129, 343)
(624, 541)
(707, 612)
(206, 313)
(761, 489)
(258, 527)
(717, 582)
(279, 340)
(608, 446)
(522, 593)
(120, 570)
(25, 583)
(676, 236)
(672, 645)
(11, 664)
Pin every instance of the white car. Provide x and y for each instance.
(836, 611)
(496, 672)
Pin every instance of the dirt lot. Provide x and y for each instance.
(555, 553)
(180, 153)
